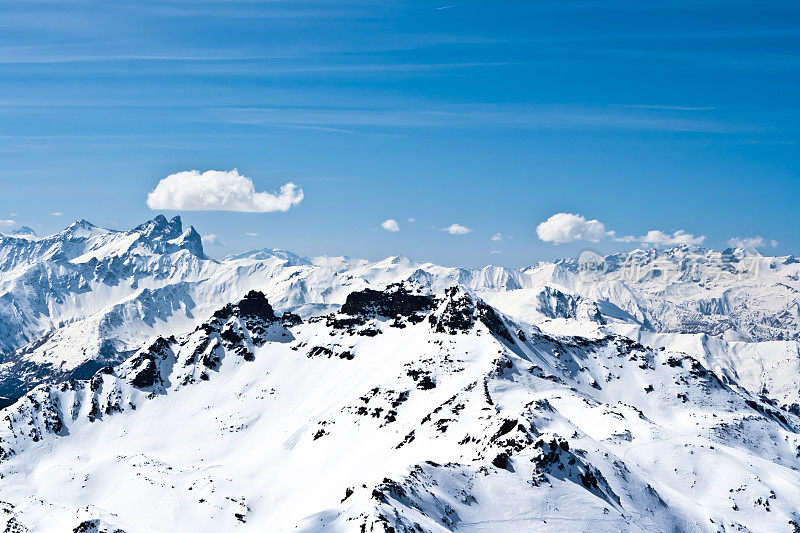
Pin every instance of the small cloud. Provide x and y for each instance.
(496, 252)
(750, 242)
(456, 229)
(252, 234)
(412, 219)
(56, 214)
(211, 240)
(13, 215)
(660, 238)
(216, 190)
(568, 227)
(497, 237)
(390, 225)
(7, 222)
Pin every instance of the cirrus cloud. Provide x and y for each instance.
(216, 190)
(390, 225)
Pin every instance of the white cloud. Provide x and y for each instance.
(251, 234)
(56, 214)
(7, 222)
(679, 237)
(495, 252)
(412, 219)
(390, 225)
(456, 229)
(750, 242)
(568, 227)
(13, 215)
(497, 237)
(211, 240)
(216, 190)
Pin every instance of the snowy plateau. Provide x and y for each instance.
(147, 387)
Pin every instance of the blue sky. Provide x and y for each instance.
(645, 116)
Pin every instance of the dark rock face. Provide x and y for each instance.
(86, 526)
(458, 315)
(255, 310)
(461, 312)
(13, 526)
(145, 365)
(290, 319)
(489, 316)
(502, 460)
(255, 304)
(426, 383)
(555, 458)
(395, 301)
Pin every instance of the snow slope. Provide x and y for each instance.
(406, 410)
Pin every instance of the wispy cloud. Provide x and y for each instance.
(539, 117)
(751, 242)
(211, 240)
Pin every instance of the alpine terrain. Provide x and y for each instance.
(149, 387)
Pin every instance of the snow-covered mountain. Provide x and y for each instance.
(404, 411)
(655, 389)
(74, 300)
(88, 297)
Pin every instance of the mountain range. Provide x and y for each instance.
(149, 387)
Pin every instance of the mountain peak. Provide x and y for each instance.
(82, 223)
(190, 240)
(23, 230)
(160, 228)
(82, 229)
